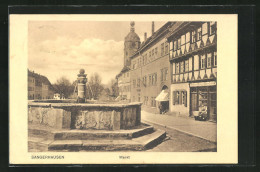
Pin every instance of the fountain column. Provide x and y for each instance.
(82, 80)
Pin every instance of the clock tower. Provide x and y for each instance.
(132, 43)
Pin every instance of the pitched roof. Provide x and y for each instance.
(124, 69)
(154, 37)
(41, 78)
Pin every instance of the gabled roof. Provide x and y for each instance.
(124, 69)
(40, 78)
(155, 36)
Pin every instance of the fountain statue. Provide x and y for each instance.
(81, 84)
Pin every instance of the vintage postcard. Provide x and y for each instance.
(123, 89)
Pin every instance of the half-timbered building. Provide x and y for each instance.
(193, 63)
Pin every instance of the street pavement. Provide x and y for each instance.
(201, 129)
(177, 141)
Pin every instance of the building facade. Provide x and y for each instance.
(39, 87)
(193, 68)
(150, 67)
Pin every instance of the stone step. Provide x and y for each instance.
(37, 144)
(90, 134)
(137, 144)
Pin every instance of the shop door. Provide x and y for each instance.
(194, 100)
(213, 103)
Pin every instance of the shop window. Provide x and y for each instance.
(202, 62)
(209, 57)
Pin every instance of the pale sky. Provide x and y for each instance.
(61, 48)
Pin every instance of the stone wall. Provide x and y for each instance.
(85, 116)
(56, 118)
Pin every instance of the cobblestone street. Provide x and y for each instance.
(183, 134)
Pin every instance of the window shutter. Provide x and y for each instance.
(180, 97)
(173, 97)
(185, 98)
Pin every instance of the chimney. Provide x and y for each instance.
(145, 36)
(152, 27)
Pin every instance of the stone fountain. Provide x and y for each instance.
(75, 125)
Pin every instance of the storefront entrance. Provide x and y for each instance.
(204, 99)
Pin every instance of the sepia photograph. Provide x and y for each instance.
(122, 86)
(114, 89)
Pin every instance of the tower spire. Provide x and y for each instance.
(132, 24)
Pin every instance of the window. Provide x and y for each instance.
(144, 80)
(145, 58)
(209, 57)
(166, 48)
(202, 61)
(138, 82)
(177, 68)
(166, 74)
(134, 83)
(153, 54)
(179, 98)
(127, 74)
(162, 49)
(212, 28)
(187, 37)
(175, 46)
(182, 67)
(182, 39)
(134, 64)
(156, 51)
(161, 74)
(171, 45)
(186, 65)
(155, 78)
(215, 58)
(150, 79)
(204, 28)
(193, 36)
(199, 34)
(179, 43)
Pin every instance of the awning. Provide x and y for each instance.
(118, 98)
(163, 96)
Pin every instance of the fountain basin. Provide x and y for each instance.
(66, 114)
